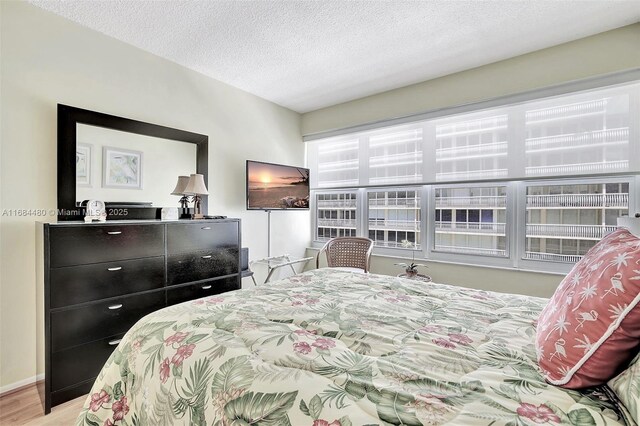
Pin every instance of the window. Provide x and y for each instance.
(394, 216)
(336, 215)
(471, 220)
(534, 183)
(564, 221)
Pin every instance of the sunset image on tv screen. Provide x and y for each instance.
(273, 186)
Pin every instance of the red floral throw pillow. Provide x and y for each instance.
(591, 326)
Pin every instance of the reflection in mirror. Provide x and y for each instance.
(115, 166)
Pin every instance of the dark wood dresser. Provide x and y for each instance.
(99, 279)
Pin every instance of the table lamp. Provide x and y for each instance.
(184, 198)
(196, 187)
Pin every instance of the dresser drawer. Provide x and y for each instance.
(202, 265)
(73, 392)
(196, 291)
(97, 320)
(191, 237)
(80, 363)
(79, 245)
(78, 284)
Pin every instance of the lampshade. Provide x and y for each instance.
(181, 185)
(196, 185)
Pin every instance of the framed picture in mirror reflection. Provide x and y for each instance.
(121, 168)
(83, 164)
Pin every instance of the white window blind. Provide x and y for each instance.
(337, 163)
(584, 133)
(471, 147)
(592, 132)
(395, 155)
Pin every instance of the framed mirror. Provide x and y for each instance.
(131, 165)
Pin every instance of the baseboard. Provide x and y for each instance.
(14, 387)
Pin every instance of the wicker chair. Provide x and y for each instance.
(347, 252)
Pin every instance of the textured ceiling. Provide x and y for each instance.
(306, 55)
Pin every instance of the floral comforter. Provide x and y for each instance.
(329, 348)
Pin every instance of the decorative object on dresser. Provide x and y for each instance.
(169, 213)
(95, 210)
(99, 279)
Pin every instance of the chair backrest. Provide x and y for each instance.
(347, 252)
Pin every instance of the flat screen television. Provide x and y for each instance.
(276, 186)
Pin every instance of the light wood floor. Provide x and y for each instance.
(26, 407)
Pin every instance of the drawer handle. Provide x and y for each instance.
(207, 256)
(114, 342)
(206, 287)
(206, 228)
(114, 232)
(114, 307)
(115, 268)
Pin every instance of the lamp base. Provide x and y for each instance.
(197, 207)
(185, 213)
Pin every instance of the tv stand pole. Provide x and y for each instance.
(268, 233)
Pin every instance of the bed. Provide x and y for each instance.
(331, 348)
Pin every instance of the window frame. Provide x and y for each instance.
(549, 265)
(467, 258)
(395, 251)
(515, 216)
(316, 242)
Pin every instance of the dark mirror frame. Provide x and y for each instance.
(69, 117)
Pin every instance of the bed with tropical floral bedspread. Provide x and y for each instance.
(329, 348)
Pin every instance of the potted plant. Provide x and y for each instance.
(411, 269)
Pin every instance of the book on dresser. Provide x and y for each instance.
(100, 279)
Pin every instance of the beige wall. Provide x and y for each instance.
(48, 60)
(486, 278)
(602, 53)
